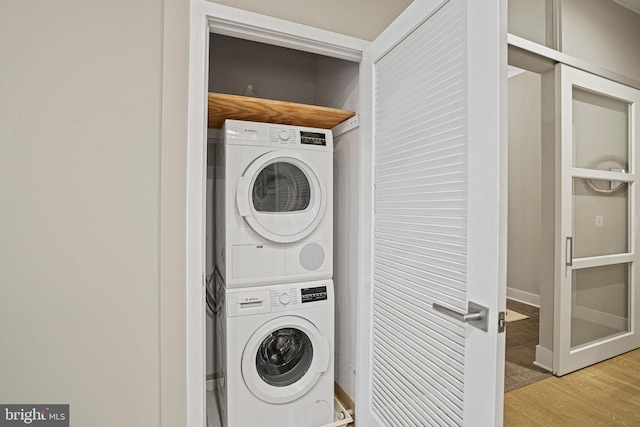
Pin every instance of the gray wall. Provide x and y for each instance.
(602, 33)
(523, 246)
(607, 35)
(83, 100)
(274, 72)
(527, 19)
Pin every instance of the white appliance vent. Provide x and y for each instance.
(421, 224)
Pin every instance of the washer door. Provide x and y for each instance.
(284, 359)
(281, 197)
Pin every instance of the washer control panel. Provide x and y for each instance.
(278, 298)
(295, 296)
(283, 297)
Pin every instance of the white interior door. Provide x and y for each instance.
(596, 304)
(438, 76)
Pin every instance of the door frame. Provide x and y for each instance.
(207, 17)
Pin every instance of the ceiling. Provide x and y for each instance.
(630, 4)
(364, 19)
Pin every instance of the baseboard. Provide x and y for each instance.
(617, 323)
(346, 401)
(523, 297)
(544, 358)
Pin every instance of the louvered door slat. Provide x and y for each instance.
(450, 157)
(445, 287)
(439, 330)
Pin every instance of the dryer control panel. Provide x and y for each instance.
(313, 138)
(283, 136)
(238, 132)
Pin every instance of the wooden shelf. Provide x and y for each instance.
(235, 107)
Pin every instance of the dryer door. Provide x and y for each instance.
(281, 197)
(284, 359)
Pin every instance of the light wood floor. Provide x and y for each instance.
(606, 394)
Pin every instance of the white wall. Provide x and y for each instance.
(602, 33)
(523, 247)
(81, 135)
(346, 252)
(337, 86)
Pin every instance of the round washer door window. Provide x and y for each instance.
(283, 359)
(281, 197)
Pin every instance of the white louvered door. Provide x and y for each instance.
(438, 79)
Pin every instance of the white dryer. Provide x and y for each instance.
(274, 204)
(277, 363)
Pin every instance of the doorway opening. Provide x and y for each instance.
(293, 75)
(525, 266)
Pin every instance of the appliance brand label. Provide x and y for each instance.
(34, 415)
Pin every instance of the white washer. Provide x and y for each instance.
(274, 204)
(277, 361)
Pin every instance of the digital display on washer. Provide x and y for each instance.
(313, 138)
(319, 293)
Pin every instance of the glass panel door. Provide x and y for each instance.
(596, 310)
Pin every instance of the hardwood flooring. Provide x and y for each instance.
(522, 338)
(606, 394)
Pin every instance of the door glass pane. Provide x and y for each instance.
(600, 217)
(599, 303)
(281, 187)
(284, 357)
(600, 131)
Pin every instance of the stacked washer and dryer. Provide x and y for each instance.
(273, 254)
